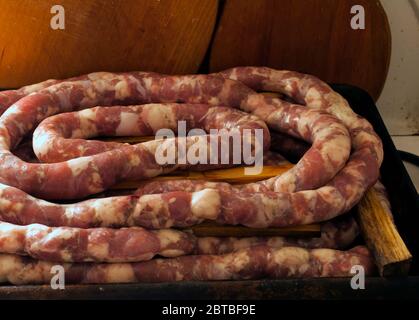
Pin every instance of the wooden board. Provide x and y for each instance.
(380, 233)
(162, 36)
(311, 36)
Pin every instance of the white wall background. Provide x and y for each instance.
(399, 101)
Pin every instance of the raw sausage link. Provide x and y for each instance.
(151, 211)
(348, 186)
(253, 263)
(316, 94)
(62, 137)
(63, 244)
(9, 97)
(330, 138)
(320, 186)
(92, 174)
(97, 244)
(214, 201)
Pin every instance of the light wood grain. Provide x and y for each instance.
(232, 175)
(210, 229)
(122, 35)
(379, 231)
(311, 36)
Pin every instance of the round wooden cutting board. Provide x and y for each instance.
(150, 35)
(311, 36)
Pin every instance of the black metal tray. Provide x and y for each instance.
(404, 200)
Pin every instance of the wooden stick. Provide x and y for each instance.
(211, 229)
(390, 252)
(232, 175)
(130, 140)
